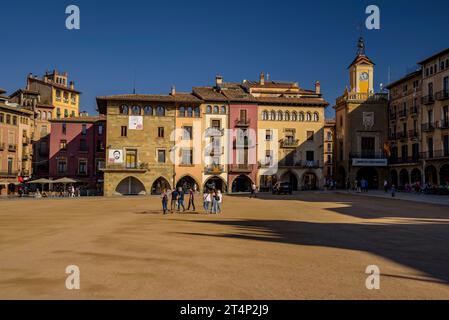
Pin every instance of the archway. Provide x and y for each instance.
(130, 186)
(215, 182)
(159, 185)
(242, 184)
(341, 177)
(444, 175)
(415, 176)
(11, 188)
(431, 175)
(291, 178)
(403, 178)
(369, 174)
(186, 183)
(394, 177)
(309, 181)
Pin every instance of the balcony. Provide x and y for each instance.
(12, 147)
(128, 167)
(311, 164)
(442, 95)
(435, 154)
(414, 110)
(241, 168)
(243, 144)
(9, 174)
(428, 127)
(403, 113)
(289, 143)
(242, 123)
(413, 134)
(214, 169)
(363, 97)
(404, 160)
(214, 132)
(426, 100)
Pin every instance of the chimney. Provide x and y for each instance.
(262, 79)
(317, 87)
(173, 90)
(72, 85)
(218, 80)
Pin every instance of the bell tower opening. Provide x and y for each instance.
(361, 71)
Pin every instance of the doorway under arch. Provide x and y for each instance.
(403, 178)
(291, 178)
(309, 181)
(130, 186)
(159, 185)
(186, 183)
(415, 176)
(369, 174)
(242, 184)
(394, 177)
(431, 175)
(444, 174)
(215, 182)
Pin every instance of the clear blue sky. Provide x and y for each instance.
(186, 43)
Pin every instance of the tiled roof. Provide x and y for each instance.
(208, 94)
(270, 84)
(54, 84)
(83, 119)
(361, 58)
(24, 91)
(236, 93)
(2, 91)
(178, 97)
(15, 109)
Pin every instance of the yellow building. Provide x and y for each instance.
(290, 133)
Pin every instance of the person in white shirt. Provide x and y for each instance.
(207, 198)
(220, 200)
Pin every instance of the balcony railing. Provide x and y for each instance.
(367, 155)
(442, 95)
(126, 166)
(310, 164)
(12, 147)
(242, 122)
(404, 160)
(214, 132)
(428, 99)
(289, 143)
(428, 127)
(435, 154)
(242, 168)
(214, 169)
(367, 97)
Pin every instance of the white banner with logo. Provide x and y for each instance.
(135, 123)
(369, 162)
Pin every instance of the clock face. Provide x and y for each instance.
(364, 76)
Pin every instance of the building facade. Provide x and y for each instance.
(78, 150)
(361, 122)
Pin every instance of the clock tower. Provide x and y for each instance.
(361, 71)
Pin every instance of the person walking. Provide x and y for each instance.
(164, 197)
(386, 186)
(174, 200)
(219, 201)
(214, 197)
(181, 200)
(253, 191)
(393, 191)
(191, 199)
(206, 201)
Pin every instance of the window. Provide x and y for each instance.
(161, 156)
(58, 95)
(268, 135)
(273, 115)
(209, 109)
(287, 116)
(294, 116)
(49, 115)
(73, 98)
(58, 113)
(66, 97)
(63, 144)
(148, 111)
(301, 116)
(216, 124)
(124, 131)
(310, 135)
(66, 113)
(160, 111)
(280, 116)
(64, 128)
(197, 112)
(308, 117)
(135, 110)
(187, 157)
(268, 157)
(131, 159)
(223, 110)
(82, 166)
(100, 129)
(187, 133)
(14, 120)
(62, 166)
(84, 129)
(216, 109)
(123, 109)
(160, 132)
(182, 112)
(100, 145)
(265, 115)
(189, 112)
(83, 145)
(315, 117)
(329, 136)
(8, 119)
(2, 117)
(310, 156)
(44, 115)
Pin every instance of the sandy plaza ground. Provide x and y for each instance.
(305, 246)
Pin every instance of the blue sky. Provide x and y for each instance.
(186, 43)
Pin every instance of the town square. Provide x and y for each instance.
(278, 151)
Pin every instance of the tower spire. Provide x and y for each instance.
(361, 47)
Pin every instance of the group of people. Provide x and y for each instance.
(361, 185)
(212, 200)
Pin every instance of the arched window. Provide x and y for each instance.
(273, 115)
(287, 116)
(66, 113)
(294, 116)
(216, 109)
(124, 109)
(135, 110)
(189, 112)
(208, 109)
(265, 115)
(38, 115)
(49, 115)
(223, 110)
(44, 115)
(197, 112)
(182, 112)
(301, 116)
(315, 117)
(148, 110)
(329, 136)
(280, 116)
(308, 116)
(160, 111)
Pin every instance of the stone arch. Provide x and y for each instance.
(431, 175)
(415, 176)
(404, 178)
(186, 182)
(394, 178)
(242, 183)
(444, 174)
(215, 182)
(130, 186)
(292, 178)
(309, 181)
(159, 185)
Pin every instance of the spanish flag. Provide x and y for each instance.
(387, 149)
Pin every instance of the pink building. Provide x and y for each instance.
(77, 150)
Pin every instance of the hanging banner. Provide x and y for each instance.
(135, 123)
(115, 156)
